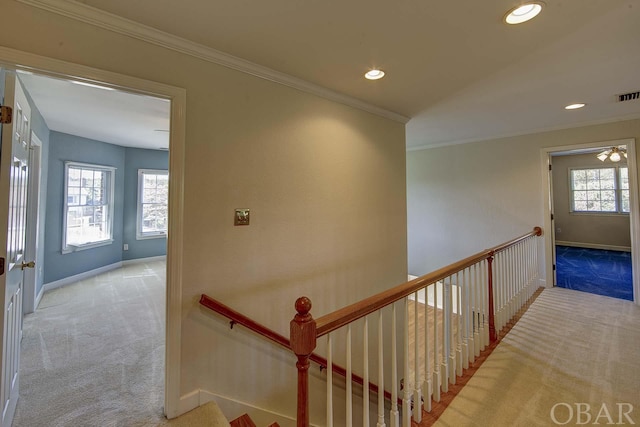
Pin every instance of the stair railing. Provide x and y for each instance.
(237, 318)
(446, 318)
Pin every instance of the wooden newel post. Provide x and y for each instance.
(492, 323)
(303, 342)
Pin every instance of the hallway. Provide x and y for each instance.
(571, 355)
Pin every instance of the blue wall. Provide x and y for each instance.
(127, 161)
(135, 159)
(64, 147)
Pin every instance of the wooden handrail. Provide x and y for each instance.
(241, 319)
(346, 315)
(305, 330)
(537, 231)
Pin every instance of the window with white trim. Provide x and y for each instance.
(88, 206)
(600, 190)
(153, 198)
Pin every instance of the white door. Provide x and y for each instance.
(32, 275)
(14, 173)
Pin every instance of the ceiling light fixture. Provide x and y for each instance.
(523, 13)
(613, 154)
(574, 106)
(374, 74)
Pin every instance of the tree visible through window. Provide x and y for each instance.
(88, 217)
(153, 196)
(600, 190)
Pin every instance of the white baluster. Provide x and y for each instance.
(453, 342)
(436, 354)
(521, 276)
(513, 261)
(505, 284)
(365, 373)
(417, 392)
(406, 395)
(394, 415)
(446, 324)
(349, 403)
(381, 422)
(464, 297)
(459, 329)
(427, 385)
(329, 383)
(476, 313)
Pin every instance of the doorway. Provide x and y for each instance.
(591, 233)
(93, 192)
(18, 61)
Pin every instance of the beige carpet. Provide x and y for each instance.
(571, 353)
(93, 352)
(207, 415)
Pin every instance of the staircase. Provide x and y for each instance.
(433, 331)
(210, 415)
(246, 421)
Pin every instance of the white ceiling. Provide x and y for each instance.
(454, 68)
(111, 116)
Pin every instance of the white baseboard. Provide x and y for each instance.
(594, 246)
(189, 401)
(143, 260)
(39, 297)
(77, 277)
(233, 408)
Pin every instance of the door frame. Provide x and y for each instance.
(634, 214)
(31, 275)
(12, 59)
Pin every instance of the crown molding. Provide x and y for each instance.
(117, 24)
(633, 116)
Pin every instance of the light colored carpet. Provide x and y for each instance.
(93, 352)
(207, 415)
(570, 348)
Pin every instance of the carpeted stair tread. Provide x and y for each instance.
(207, 415)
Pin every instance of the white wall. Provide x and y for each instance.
(465, 198)
(325, 184)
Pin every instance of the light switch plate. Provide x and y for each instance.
(241, 217)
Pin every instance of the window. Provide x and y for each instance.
(88, 206)
(600, 190)
(153, 196)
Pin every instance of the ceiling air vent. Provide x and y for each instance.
(629, 96)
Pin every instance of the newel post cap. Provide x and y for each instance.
(303, 329)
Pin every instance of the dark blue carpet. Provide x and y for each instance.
(595, 271)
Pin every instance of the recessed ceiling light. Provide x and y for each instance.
(523, 13)
(374, 74)
(574, 106)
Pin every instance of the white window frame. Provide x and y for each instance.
(140, 235)
(111, 171)
(617, 191)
